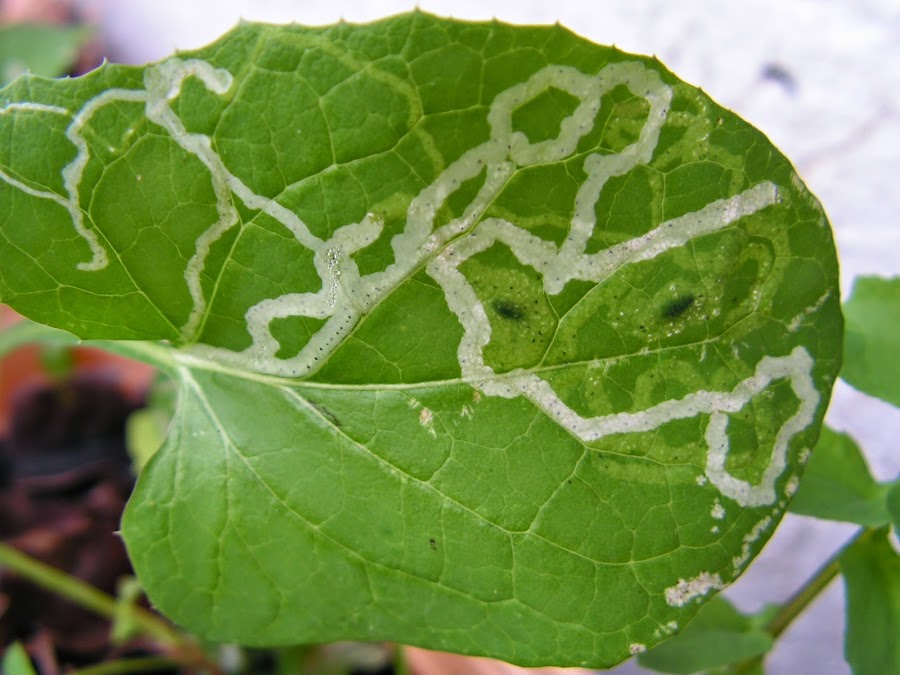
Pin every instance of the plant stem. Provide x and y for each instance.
(182, 649)
(82, 593)
(137, 665)
(799, 601)
(401, 667)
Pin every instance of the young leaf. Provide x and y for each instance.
(718, 636)
(872, 347)
(871, 570)
(488, 339)
(837, 484)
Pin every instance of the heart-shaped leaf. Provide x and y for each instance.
(488, 339)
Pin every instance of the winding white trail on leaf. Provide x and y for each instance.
(346, 295)
(72, 172)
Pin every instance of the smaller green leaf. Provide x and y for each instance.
(718, 636)
(746, 668)
(871, 343)
(146, 429)
(751, 669)
(145, 432)
(39, 49)
(755, 668)
(16, 661)
(871, 570)
(837, 484)
(893, 503)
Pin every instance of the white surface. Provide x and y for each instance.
(836, 115)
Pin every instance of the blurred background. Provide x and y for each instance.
(821, 78)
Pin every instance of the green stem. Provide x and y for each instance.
(83, 594)
(799, 601)
(401, 666)
(183, 650)
(138, 665)
(817, 583)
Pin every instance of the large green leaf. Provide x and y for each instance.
(488, 339)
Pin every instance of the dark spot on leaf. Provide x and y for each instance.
(508, 310)
(326, 413)
(677, 307)
(433, 544)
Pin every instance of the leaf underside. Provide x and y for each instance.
(488, 339)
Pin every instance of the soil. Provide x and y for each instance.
(64, 478)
